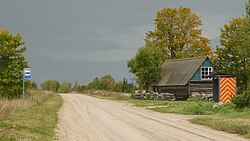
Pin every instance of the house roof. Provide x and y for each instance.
(216, 74)
(179, 71)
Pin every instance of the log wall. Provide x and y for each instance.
(202, 89)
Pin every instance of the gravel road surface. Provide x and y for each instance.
(85, 118)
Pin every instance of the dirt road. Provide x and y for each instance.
(85, 118)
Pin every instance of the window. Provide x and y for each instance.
(205, 71)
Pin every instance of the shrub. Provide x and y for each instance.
(242, 100)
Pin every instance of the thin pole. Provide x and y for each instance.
(23, 91)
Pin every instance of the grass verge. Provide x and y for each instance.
(37, 121)
(234, 121)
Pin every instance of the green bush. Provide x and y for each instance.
(65, 87)
(242, 100)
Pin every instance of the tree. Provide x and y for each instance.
(12, 63)
(107, 82)
(177, 34)
(46, 85)
(124, 86)
(95, 84)
(248, 10)
(146, 66)
(65, 87)
(76, 87)
(248, 27)
(54, 85)
(31, 85)
(50, 85)
(243, 71)
(233, 57)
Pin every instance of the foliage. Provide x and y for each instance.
(65, 87)
(243, 100)
(31, 85)
(234, 56)
(93, 85)
(76, 87)
(146, 66)
(12, 62)
(107, 82)
(123, 86)
(177, 34)
(248, 38)
(50, 85)
(248, 9)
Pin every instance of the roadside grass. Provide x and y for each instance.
(223, 117)
(8, 106)
(235, 121)
(34, 121)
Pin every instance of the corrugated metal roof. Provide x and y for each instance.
(179, 71)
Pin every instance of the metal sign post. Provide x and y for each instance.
(26, 76)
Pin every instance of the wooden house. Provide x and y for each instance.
(186, 77)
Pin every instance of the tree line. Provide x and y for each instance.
(106, 82)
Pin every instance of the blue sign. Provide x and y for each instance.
(27, 73)
(131, 81)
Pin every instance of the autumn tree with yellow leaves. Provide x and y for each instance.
(177, 34)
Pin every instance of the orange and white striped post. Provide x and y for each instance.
(227, 89)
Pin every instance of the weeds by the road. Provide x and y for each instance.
(8, 106)
(35, 121)
(233, 121)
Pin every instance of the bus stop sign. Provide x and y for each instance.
(27, 73)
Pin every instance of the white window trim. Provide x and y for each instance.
(209, 73)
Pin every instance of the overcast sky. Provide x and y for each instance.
(78, 40)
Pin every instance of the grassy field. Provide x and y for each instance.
(34, 120)
(223, 117)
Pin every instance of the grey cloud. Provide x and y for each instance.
(82, 39)
(71, 70)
